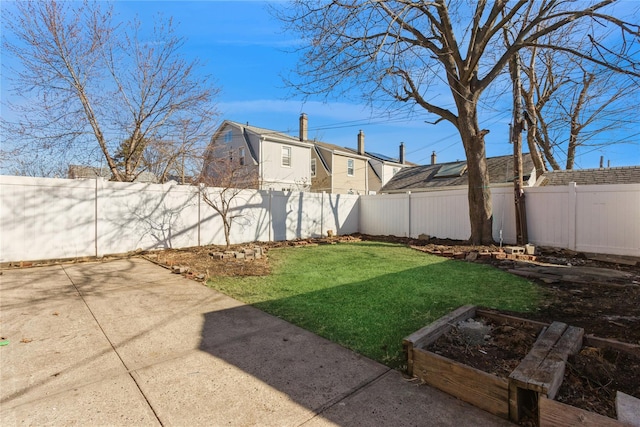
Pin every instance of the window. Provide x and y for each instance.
(350, 167)
(286, 156)
(395, 171)
(228, 136)
(241, 156)
(313, 167)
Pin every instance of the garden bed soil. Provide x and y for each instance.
(503, 349)
(601, 297)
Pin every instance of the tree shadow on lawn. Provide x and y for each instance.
(314, 371)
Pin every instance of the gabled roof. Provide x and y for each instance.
(336, 149)
(386, 159)
(83, 172)
(619, 175)
(423, 178)
(267, 133)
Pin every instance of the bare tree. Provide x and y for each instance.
(93, 88)
(223, 180)
(571, 102)
(402, 50)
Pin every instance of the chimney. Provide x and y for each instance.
(402, 153)
(361, 143)
(303, 127)
(601, 162)
(433, 158)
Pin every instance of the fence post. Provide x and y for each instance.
(95, 216)
(270, 217)
(322, 214)
(408, 213)
(572, 213)
(200, 188)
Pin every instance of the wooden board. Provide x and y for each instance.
(506, 318)
(552, 414)
(629, 348)
(551, 371)
(524, 376)
(485, 391)
(432, 332)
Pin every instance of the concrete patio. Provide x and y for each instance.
(127, 343)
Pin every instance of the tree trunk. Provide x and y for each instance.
(479, 194)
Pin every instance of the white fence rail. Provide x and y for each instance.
(44, 218)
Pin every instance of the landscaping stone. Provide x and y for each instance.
(472, 256)
(473, 331)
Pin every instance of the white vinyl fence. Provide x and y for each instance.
(593, 218)
(43, 218)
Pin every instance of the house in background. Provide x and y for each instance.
(91, 172)
(619, 175)
(337, 169)
(88, 172)
(447, 176)
(258, 158)
(345, 170)
(384, 168)
(253, 157)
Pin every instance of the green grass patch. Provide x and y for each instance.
(368, 296)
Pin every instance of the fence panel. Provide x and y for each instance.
(250, 212)
(442, 214)
(44, 218)
(385, 214)
(145, 216)
(340, 213)
(607, 219)
(549, 212)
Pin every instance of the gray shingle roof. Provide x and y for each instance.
(423, 177)
(620, 175)
(263, 131)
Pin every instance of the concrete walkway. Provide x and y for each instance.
(127, 343)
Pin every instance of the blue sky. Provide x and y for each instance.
(245, 50)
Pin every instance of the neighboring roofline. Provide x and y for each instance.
(394, 162)
(374, 170)
(341, 151)
(270, 135)
(245, 137)
(448, 188)
(322, 160)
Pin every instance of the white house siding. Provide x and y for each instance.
(296, 177)
(221, 149)
(345, 184)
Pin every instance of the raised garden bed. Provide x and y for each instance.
(508, 366)
(489, 391)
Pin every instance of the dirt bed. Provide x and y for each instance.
(601, 297)
(502, 349)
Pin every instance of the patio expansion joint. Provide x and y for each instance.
(335, 401)
(113, 347)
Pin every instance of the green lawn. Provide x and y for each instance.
(367, 296)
